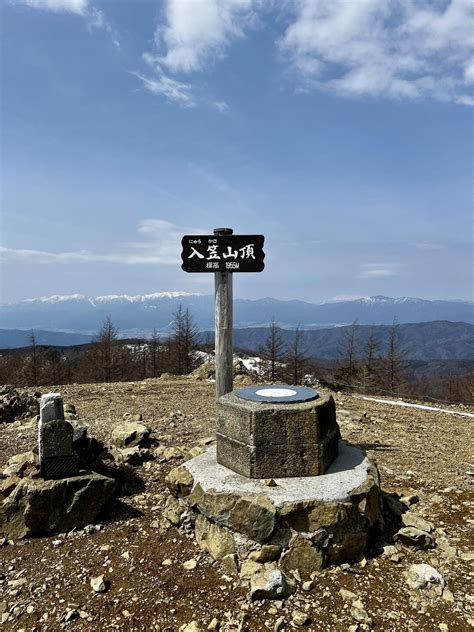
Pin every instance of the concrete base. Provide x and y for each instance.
(265, 439)
(304, 522)
(347, 472)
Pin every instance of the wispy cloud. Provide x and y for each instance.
(427, 246)
(373, 270)
(221, 106)
(188, 38)
(95, 18)
(405, 49)
(173, 90)
(161, 245)
(79, 7)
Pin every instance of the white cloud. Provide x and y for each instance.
(162, 245)
(79, 7)
(191, 35)
(95, 18)
(393, 48)
(371, 270)
(173, 90)
(195, 32)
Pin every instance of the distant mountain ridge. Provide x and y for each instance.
(140, 314)
(15, 338)
(435, 340)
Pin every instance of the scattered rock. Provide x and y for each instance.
(77, 502)
(421, 575)
(216, 540)
(408, 501)
(22, 465)
(130, 434)
(206, 371)
(173, 511)
(299, 618)
(360, 615)
(190, 627)
(268, 553)
(230, 562)
(303, 556)
(348, 595)
(15, 405)
(98, 584)
(414, 520)
(415, 537)
(190, 565)
(271, 584)
(180, 481)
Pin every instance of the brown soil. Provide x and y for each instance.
(418, 452)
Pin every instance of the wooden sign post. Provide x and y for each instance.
(223, 253)
(224, 320)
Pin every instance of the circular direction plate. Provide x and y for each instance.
(277, 393)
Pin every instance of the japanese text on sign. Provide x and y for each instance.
(226, 253)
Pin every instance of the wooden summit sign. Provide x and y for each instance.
(222, 253)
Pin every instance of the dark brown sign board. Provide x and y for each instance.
(222, 253)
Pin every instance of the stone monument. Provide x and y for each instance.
(55, 437)
(280, 491)
(277, 431)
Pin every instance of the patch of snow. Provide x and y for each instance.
(419, 406)
(56, 298)
(142, 298)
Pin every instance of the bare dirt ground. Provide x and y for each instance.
(418, 452)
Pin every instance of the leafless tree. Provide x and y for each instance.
(154, 350)
(104, 361)
(54, 366)
(183, 343)
(394, 362)
(370, 369)
(33, 369)
(347, 370)
(273, 353)
(296, 357)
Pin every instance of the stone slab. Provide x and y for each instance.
(51, 407)
(347, 472)
(55, 438)
(269, 461)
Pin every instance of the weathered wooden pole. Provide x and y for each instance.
(223, 337)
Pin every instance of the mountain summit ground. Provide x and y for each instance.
(154, 577)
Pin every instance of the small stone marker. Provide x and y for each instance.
(55, 436)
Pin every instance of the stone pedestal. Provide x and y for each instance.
(266, 439)
(300, 523)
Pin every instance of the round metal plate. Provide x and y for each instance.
(277, 393)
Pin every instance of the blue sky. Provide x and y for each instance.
(340, 129)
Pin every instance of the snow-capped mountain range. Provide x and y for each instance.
(142, 313)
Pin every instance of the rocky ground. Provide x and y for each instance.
(156, 578)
